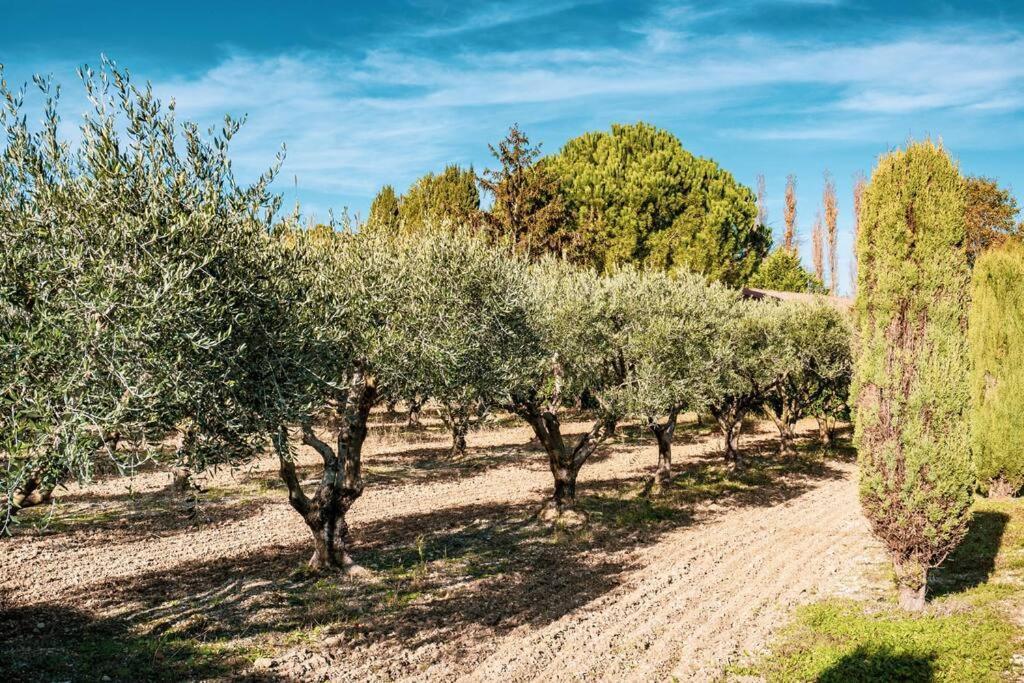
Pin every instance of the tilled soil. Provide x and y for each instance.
(468, 586)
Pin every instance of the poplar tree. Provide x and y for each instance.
(911, 377)
(997, 379)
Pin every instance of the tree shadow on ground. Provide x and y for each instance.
(869, 665)
(974, 560)
(129, 516)
(475, 570)
(53, 642)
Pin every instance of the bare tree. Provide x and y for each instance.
(818, 247)
(762, 208)
(789, 239)
(831, 206)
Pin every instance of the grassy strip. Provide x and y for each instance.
(968, 632)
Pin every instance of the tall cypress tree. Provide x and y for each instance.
(911, 378)
(997, 379)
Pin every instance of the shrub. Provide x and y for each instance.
(997, 378)
(911, 371)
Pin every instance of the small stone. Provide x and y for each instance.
(335, 641)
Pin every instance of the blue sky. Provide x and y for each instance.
(364, 94)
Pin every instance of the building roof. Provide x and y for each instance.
(842, 303)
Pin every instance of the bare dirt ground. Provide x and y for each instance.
(467, 585)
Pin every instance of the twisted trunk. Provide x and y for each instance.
(341, 483)
(729, 418)
(564, 458)
(663, 433)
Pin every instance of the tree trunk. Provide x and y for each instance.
(824, 431)
(564, 496)
(460, 426)
(392, 407)
(729, 422)
(663, 433)
(564, 460)
(340, 484)
(33, 492)
(783, 418)
(414, 413)
(912, 585)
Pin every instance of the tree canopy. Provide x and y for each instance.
(634, 195)
(991, 215)
(782, 271)
(449, 198)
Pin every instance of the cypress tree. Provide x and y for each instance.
(997, 379)
(911, 380)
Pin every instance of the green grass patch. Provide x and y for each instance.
(967, 633)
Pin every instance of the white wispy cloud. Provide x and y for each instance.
(353, 122)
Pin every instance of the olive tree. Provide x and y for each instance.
(810, 363)
(741, 369)
(670, 349)
(126, 287)
(911, 374)
(332, 339)
(997, 375)
(466, 325)
(578, 355)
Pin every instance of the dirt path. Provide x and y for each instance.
(703, 596)
(684, 597)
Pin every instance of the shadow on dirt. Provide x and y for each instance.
(54, 643)
(477, 569)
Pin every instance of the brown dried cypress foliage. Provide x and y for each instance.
(789, 239)
(831, 205)
(818, 247)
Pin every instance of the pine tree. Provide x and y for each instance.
(527, 208)
(911, 382)
(384, 214)
(997, 379)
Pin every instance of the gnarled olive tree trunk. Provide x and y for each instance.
(663, 432)
(341, 482)
(564, 457)
(729, 416)
(784, 411)
(456, 418)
